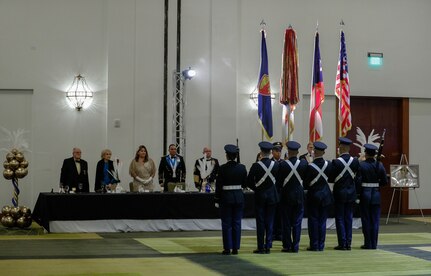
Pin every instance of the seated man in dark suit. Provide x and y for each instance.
(74, 173)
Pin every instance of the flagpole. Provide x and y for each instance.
(340, 131)
(317, 31)
(313, 138)
(262, 29)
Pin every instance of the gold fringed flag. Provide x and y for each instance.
(342, 90)
(289, 95)
(317, 95)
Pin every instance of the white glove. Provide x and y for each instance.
(144, 181)
(216, 205)
(139, 179)
(357, 201)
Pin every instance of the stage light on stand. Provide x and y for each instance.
(188, 74)
(179, 108)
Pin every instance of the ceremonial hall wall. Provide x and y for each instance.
(118, 47)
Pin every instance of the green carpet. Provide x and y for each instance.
(404, 249)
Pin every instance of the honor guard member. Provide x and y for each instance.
(289, 183)
(277, 147)
(371, 176)
(232, 177)
(171, 168)
(205, 171)
(319, 197)
(309, 156)
(345, 168)
(262, 179)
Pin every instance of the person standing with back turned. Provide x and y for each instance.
(262, 179)
(289, 184)
(231, 178)
(343, 177)
(319, 197)
(371, 176)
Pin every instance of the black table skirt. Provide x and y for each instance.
(135, 206)
(140, 206)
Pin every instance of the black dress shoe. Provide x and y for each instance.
(234, 251)
(348, 247)
(312, 249)
(225, 252)
(339, 247)
(285, 250)
(267, 251)
(364, 247)
(259, 251)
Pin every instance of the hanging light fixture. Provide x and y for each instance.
(79, 94)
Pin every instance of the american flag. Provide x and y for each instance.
(342, 90)
(317, 95)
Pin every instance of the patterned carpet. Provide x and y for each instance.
(404, 249)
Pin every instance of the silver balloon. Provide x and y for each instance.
(14, 151)
(6, 164)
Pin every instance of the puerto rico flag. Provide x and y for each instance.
(264, 109)
(317, 95)
(342, 90)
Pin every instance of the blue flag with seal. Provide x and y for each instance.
(264, 109)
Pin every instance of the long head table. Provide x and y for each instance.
(135, 206)
(142, 206)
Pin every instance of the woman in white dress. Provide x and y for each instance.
(143, 170)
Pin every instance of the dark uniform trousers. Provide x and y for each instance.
(291, 202)
(291, 216)
(231, 179)
(319, 198)
(266, 199)
(344, 197)
(371, 176)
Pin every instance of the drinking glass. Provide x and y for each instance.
(80, 186)
(66, 189)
